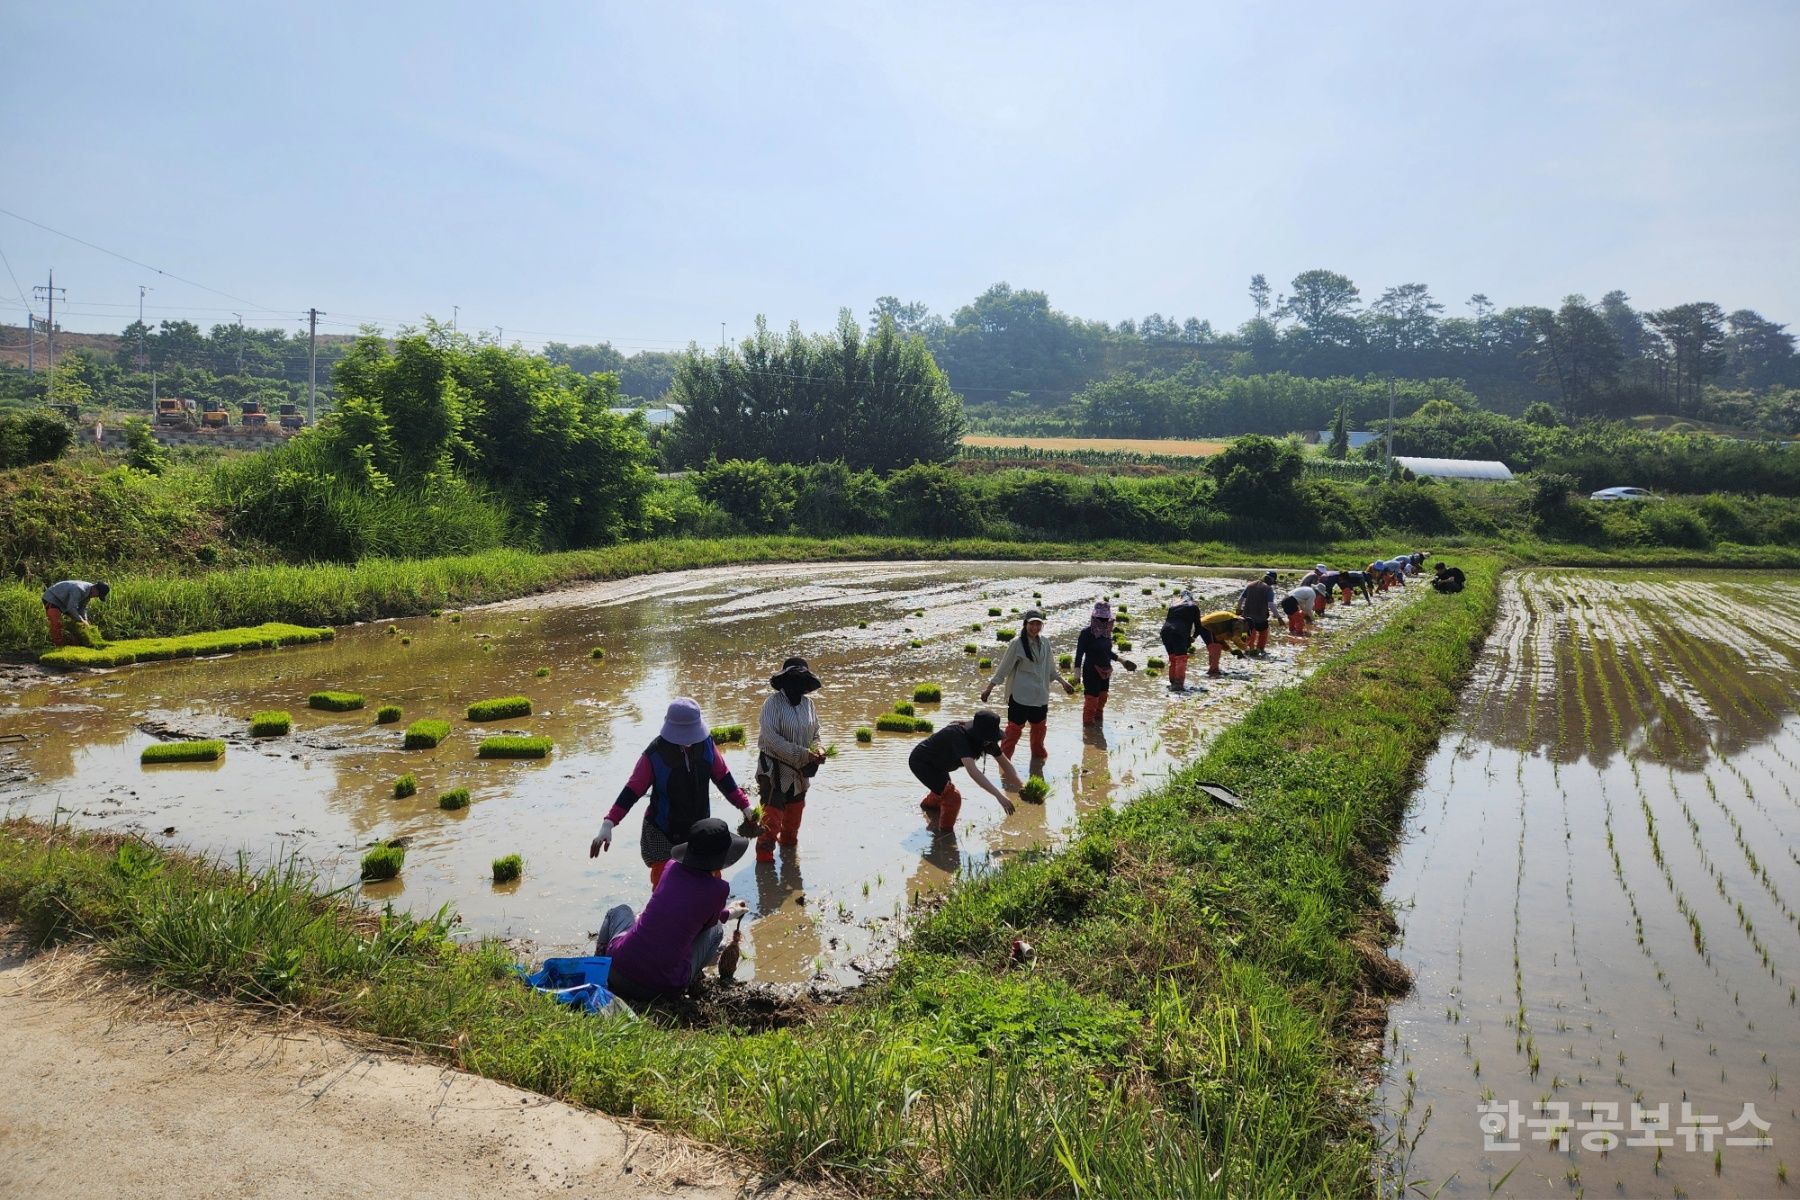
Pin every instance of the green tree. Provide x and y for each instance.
(1340, 437)
(1260, 477)
(1324, 303)
(1259, 294)
(1758, 352)
(1579, 353)
(1693, 341)
(142, 451)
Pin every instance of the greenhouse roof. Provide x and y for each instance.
(1455, 468)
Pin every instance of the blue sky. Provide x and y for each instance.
(640, 173)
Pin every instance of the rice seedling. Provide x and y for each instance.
(921, 725)
(219, 641)
(1154, 664)
(725, 735)
(975, 628)
(928, 693)
(1005, 635)
(391, 631)
(454, 800)
(904, 707)
(1035, 789)
(456, 618)
(993, 612)
(407, 640)
(1124, 644)
(273, 723)
(387, 714)
(986, 664)
(383, 862)
(915, 644)
(508, 869)
(436, 613)
(598, 653)
(405, 786)
(203, 750)
(971, 648)
(831, 751)
(893, 722)
(515, 747)
(1065, 661)
(1037, 595)
(499, 709)
(335, 701)
(864, 734)
(543, 672)
(426, 733)
(862, 624)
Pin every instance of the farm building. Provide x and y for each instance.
(1456, 468)
(1358, 438)
(655, 417)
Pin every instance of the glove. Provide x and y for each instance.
(603, 841)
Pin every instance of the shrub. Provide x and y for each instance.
(508, 869)
(335, 701)
(864, 734)
(928, 693)
(383, 862)
(405, 786)
(500, 709)
(454, 800)
(597, 653)
(32, 437)
(387, 714)
(515, 747)
(426, 733)
(1676, 525)
(894, 723)
(724, 735)
(903, 707)
(272, 723)
(209, 750)
(1035, 789)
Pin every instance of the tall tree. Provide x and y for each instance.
(1405, 319)
(1324, 303)
(1578, 352)
(1259, 294)
(1340, 436)
(1758, 352)
(915, 317)
(1693, 336)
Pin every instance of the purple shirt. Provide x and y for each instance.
(657, 952)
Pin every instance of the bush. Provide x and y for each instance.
(272, 723)
(725, 735)
(405, 786)
(508, 869)
(895, 723)
(383, 862)
(335, 701)
(864, 734)
(758, 495)
(928, 693)
(426, 733)
(1674, 524)
(500, 709)
(387, 714)
(143, 452)
(209, 750)
(32, 437)
(515, 747)
(454, 800)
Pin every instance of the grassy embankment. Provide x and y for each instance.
(159, 606)
(1189, 1024)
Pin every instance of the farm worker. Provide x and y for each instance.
(1415, 562)
(1448, 579)
(787, 738)
(1381, 574)
(1220, 631)
(1352, 582)
(1028, 666)
(959, 744)
(1298, 605)
(675, 769)
(664, 950)
(1094, 657)
(1179, 629)
(69, 598)
(1253, 604)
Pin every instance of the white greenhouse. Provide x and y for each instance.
(1455, 468)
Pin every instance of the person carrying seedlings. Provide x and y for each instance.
(960, 744)
(1094, 656)
(1447, 578)
(1298, 606)
(787, 742)
(1179, 629)
(1222, 630)
(676, 770)
(1028, 666)
(69, 598)
(664, 950)
(1254, 604)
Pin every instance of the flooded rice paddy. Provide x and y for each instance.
(1598, 898)
(871, 631)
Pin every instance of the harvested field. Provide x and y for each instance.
(1184, 447)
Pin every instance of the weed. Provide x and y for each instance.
(426, 733)
(387, 714)
(928, 693)
(208, 750)
(726, 735)
(454, 799)
(335, 701)
(1035, 789)
(864, 734)
(273, 723)
(220, 641)
(500, 709)
(405, 786)
(508, 869)
(383, 862)
(515, 747)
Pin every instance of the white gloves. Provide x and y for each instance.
(602, 841)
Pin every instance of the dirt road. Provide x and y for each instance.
(93, 1102)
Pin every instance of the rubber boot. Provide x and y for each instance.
(790, 823)
(772, 820)
(1011, 740)
(932, 802)
(54, 615)
(1178, 664)
(1038, 730)
(1213, 653)
(656, 873)
(1090, 707)
(949, 809)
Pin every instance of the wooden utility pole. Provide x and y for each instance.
(312, 359)
(49, 294)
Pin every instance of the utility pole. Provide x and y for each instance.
(455, 311)
(143, 343)
(721, 335)
(1390, 428)
(240, 342)
(49, 293)
(30, 340)
(312, 359)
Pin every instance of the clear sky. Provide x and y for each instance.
(642, 172)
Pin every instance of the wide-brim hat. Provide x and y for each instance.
(985, 725)
(711, 846)
(1103, 611)
(683, 725)
(794, 669)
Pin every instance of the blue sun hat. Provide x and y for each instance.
(683, 725)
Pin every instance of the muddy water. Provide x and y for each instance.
(1598, 897)
(829, 911)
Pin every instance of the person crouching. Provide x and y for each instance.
(1222, 630)
(958, 745)
(667, 948)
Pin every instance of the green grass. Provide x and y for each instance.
(515, 747)
(405, 786)
(205, 750)
(454, 799)
(928, 693)
(335, 701)
(426, 733)
(894, 722)
(508, 868)
(387, 714)
(725, 735)
(500, 709)
(152, 649)
(273, 723)
(383, 862)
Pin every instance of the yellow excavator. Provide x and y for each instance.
(213, 414)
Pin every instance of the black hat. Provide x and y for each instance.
(102, 590)
(795, 670)
(1031, 614)
(985, 725)
(711, 846)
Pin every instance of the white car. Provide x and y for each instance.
(1624, 493)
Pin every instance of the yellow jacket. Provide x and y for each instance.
(1222, 626)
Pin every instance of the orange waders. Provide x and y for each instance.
(1011, 740)
(947, 804)
(779, 824)
(54, 615)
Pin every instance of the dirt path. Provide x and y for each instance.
(95, 1102)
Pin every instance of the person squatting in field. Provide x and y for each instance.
(1254, 604)
(1094, 656)
(676, 769)
(664, 949)
(1298, 607)
(1386, 573)
(958, 745)
(1448, 578)
(788, 756)
(70, 598)
(1220, 631)
(1321, 586)
(1028, 667)
(1180, 627)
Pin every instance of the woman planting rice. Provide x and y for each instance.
(787, 738)
(1299, 607)
(960, 744)
(1028, 667)
(1220, 631)
(1179, 629)
(1094, 657)
(683, 926)
(1253, 604)
(69, 598)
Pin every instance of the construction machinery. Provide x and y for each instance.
(253, 414)
(175, 413)
(291, 418)
(213, 414)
